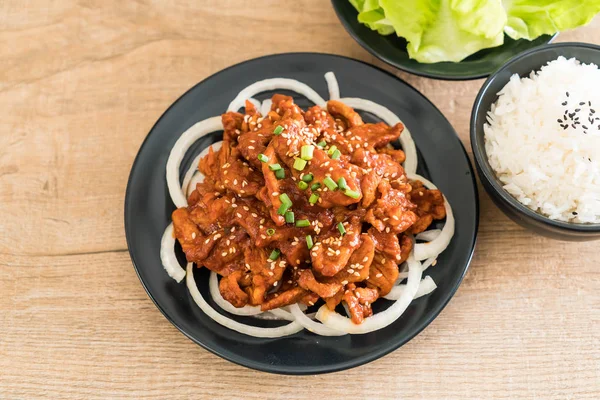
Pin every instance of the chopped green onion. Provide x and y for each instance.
(263, 158)
(306, 152)
(322, 144)
(274, 254)
(341, 229)
(302, 185)
(274, 167)
(331, 150)
(308, 177)
(270, 231)
(309, 242)
(278, 130)
(342, 183)
(286, 203)
(299, 164)
(330, 183)
(315, 186)
(352, 193)
(313, 198)
(336, 154)
(289, 217)
(280, 173)
(302, 223)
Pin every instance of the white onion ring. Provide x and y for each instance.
(274, 84)
(168, 257)
(406, 141)
(428, 263)
(426, 286)
(265, 107)
(313, 326)
(429, 235)
(282, 314)
(269, 316)
(332, 86)
(435, 247)
(382, 319)
(255, 331)
(187, 139)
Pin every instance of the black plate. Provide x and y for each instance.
(392, 50)
(148, 208)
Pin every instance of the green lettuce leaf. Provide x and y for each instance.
(528, 19)
(451, 30)
(446, 30)
(370, 14)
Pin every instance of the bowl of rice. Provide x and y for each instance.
(535, 136)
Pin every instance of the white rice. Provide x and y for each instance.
(548, 162)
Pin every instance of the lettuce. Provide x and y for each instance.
(451, 30)
(528, 19)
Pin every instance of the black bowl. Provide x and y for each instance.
(523, 64)
(391, 49)
(148, 209)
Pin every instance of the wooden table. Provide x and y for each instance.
(81, 84)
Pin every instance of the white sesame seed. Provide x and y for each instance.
(378, 275)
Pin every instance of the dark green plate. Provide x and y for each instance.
(392, 50)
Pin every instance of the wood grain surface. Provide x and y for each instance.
(81, 84)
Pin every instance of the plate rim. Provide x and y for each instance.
(431, 75)
(307, 370)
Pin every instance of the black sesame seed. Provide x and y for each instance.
(582, 103)
(571, 115)
(592, 111)
(584, 127)
(577, 123)
(574, 212)
(565, 127)
(567, 94)
(576, 118)
(589, 103)
(577, 110)
(573, 125)
(564, 103)
(559, 120)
